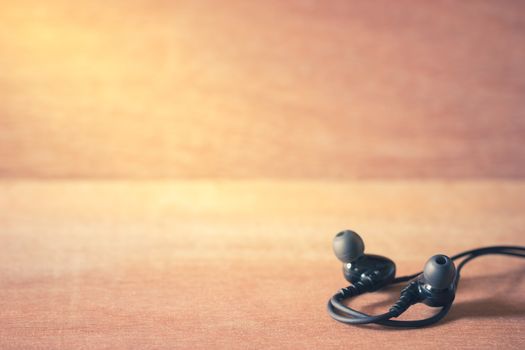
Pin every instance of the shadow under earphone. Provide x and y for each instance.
(495, 296)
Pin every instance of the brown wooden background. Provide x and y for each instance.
(239, 89)
(172, 172)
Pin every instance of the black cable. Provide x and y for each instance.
(487, 250)
(362, 319)
(334, 303)
(390, 323)
(345, 314)
(473, 256)
(491, 250)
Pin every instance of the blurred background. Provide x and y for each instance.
(267, 89)
(158, 155)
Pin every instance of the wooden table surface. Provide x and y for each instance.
(245, 264)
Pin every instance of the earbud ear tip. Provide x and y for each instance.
(348, 246)
(439, 271)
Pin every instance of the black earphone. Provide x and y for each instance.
(435, 286)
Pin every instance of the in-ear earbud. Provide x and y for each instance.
(348, 246)
(367, 272)
(437, 283)
(439, 272)
(436, 286)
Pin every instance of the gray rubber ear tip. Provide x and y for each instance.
(439, 271)
(348, 246)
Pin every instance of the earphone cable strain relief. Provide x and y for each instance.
(409, 296)
(351, 291)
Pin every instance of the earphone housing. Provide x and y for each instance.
(365, 271)
(374, 271)
(436, 297)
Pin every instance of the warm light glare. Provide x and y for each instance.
(258, 89)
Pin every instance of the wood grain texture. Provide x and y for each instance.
(237, 89)
(245, 264)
